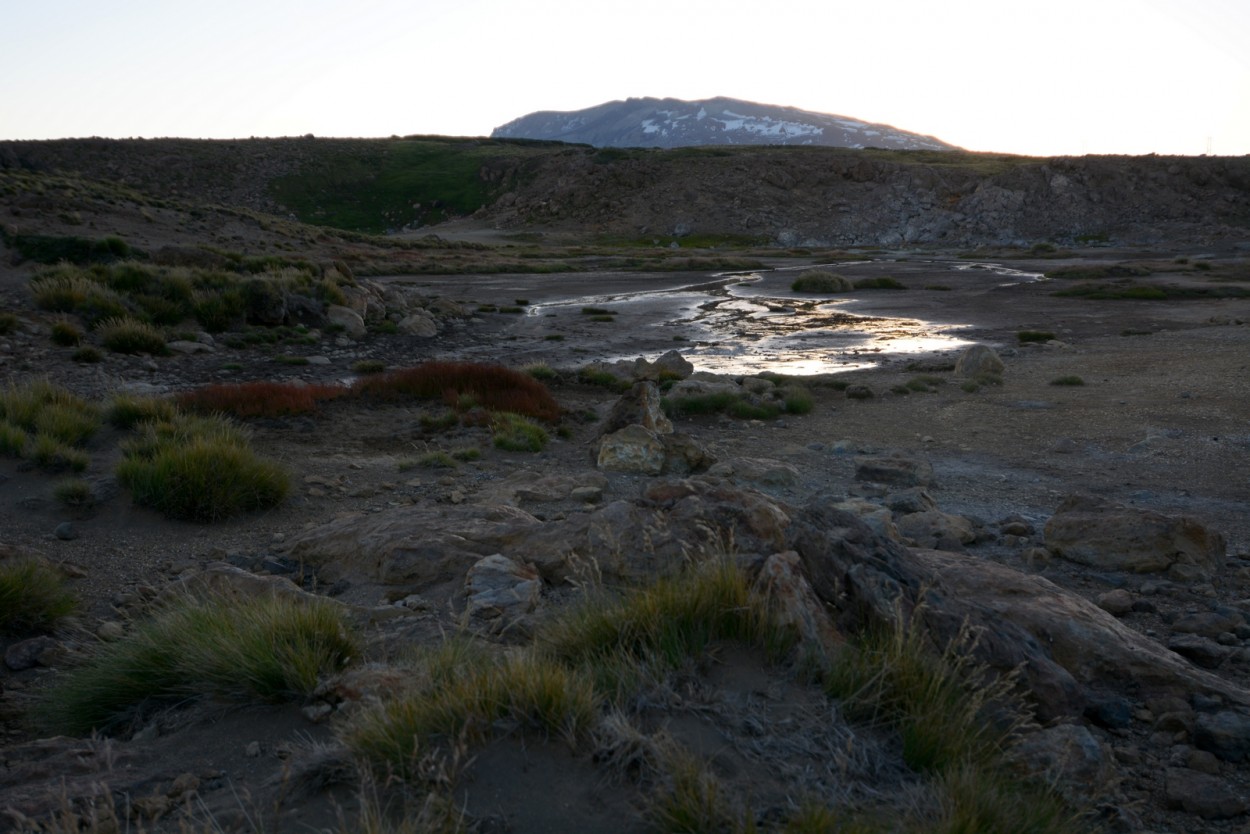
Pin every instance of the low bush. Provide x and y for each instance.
(33, 597)
(258, 399)
(124, 334)
(603, 379)
(541, 371)
(1034, 336)
(436, 460)
(883, 283)
(819, 281)
(74, 492)
(9, 323)
(368, 366)
(598, 311)
(1067, 380)
(271, 648)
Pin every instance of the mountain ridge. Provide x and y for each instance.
(675, 123)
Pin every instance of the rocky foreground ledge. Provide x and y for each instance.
(1135, 683)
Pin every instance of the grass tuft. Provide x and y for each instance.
(271, 648)
(33, 597)
(1026, 337)
(1067, 380)
(124, 334)
(199, 469)
(514, 433)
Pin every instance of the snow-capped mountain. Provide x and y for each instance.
(673, 123)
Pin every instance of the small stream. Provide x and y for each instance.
(751, 322)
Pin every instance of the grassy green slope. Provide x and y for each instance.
(373, 186)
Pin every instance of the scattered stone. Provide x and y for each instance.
(318, 712)
(421, 325)
(1066, 756)
(913, 500)
(35, 651)
(1210, 623)
(188, 348)
(110, 631)
(252, 751)
(1102, 534)
(1203, 652)
(1202, 794)
(1225, 733)
(1117, 603)
(66, 531)
(756, 471)
(894, 470)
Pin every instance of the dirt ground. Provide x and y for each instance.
(1162, 421)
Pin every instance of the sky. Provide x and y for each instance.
(1062, 77)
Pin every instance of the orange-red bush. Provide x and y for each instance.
(465, 384)
(258, 399)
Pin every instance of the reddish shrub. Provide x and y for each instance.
(258, 399)
(463, 385)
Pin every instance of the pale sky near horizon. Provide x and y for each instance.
(1040, 78)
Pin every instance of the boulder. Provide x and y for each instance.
(1225, 733)
(877, 517)
(352, 323)
(413, 546)
(1068, 757)
(1206, 796)
(1108, 536)
(936, 529)
(978, 360)
(894, 470)
(501, 592)
(418, 324)
(756, 472)
(794, 603)
(631, 449)
(672, 365)
(683, 455)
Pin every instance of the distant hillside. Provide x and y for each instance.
(790, 196)
(672, 123)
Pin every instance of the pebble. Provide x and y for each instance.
(252, 750)
(66, 531)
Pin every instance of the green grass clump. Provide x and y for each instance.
(368, 366)
(472, 696)
(124, 334)
(126, 411)
(270, 648)
(945, 714)
(74, 492)
(64, 333)
(33, 597)
(606, 318)
(604, 379)
(436, 460)
(288, 359)
(695, 405)
(467, 454)
(87, 355)
(1034, 336)
(541, 371)
(13, 439)
(199, 469)
(797, 400)
(924, 383)
(660, 626)
(885, 282)
(1067, 380)
(9, 323)
(514, 433)
(819, 281)
(598, 311)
